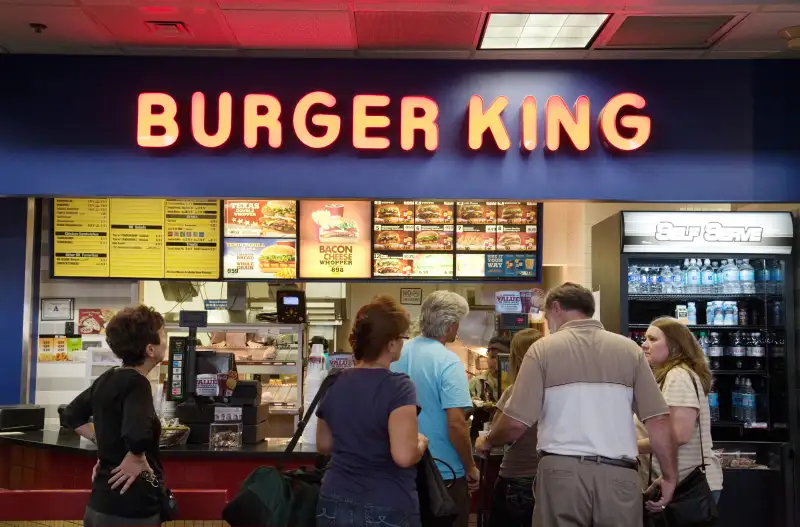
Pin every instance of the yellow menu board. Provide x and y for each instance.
(193, 241)
(80, 237)
(137, 238)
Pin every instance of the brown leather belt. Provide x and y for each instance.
(600, 460)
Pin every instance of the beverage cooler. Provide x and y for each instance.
(729, 277)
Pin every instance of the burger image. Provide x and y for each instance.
(276, 257)
(279, 216)
(470, 211)
(338, 230)
(429, 212)
(427, 238)
(386, 238)
(509, 240)
(388, 266)
(512, 212)
(471, 241)
(388, 213)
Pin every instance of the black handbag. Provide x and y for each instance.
(166, 499)
(436, 506)
(692, 503)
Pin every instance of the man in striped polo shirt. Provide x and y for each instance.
(582, 385)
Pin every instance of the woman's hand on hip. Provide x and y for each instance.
(126, 473)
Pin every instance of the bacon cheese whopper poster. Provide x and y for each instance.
(335, 238)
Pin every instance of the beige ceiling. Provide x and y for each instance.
(360, 28)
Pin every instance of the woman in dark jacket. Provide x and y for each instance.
(125, 427)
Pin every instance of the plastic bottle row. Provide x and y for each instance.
(699, 276)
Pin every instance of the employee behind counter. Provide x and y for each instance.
(484, 387)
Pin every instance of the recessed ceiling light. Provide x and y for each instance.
(541, 31)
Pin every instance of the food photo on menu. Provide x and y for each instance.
(432, 265)
(393, 238)
(434, 238)
(476, 213)
(334, 227)
(394, 213)
(476, 238)
(517, 238)
(260, 258)
(336, 239)
(516, 212)
(511, 265)
(433, 212)
(260, 219)
(393, 265)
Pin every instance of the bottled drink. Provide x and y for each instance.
(775, 284)
(747, 278)
(692, 313)
(748, 402)
(776, 313)
(722, 287)
(710, 313)
(677, 280)
(737, 347)
(644, 284)
(666, 280)
(707, 278)
(654, 281)
(756, 347)
(713, 404)
(715, 364)
(736, 399)
(730, 313)
(703, 341)
(719, 313)
(761, 276)
(732, 278)
(715, 348)
(634, 279)
(743, 316)
(693, 277)
(715, 288)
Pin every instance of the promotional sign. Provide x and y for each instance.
(708, 232)
(413, 265)
(260, 219)
(255, 258)
(335, 239)
(411, 296)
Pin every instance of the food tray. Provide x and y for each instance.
(173, 436)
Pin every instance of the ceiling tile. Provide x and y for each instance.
(291, 29)
(68, 28)
(759, 32)
(128, 24)
(417, 30)
(668, 32)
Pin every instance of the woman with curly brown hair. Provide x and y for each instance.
(368, 425)
(125, 486)
(685, 379)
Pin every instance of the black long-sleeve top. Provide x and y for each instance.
(125, 421)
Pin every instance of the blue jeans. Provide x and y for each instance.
(716, 494)
(334, 511)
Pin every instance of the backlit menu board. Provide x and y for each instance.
(497, 239)
(248, 218)
(136, 238)
(413, 239)
(335, 239)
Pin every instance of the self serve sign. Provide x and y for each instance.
(713, 231)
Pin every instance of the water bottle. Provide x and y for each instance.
(692, 313)
(748, 402)
(719, 313)
(747, 278)
(732, 278)
(710, 313)
(677, 280)
(654, 281)
(666, 280)
(644, 285)
(715, 288)
(713, 404)
(735, 399)
(693, 277)
(775, 284)
(738, 347)
(634, 278)
(703, 341)
(757, 346)
(715, 348)
(722, 287)
(762, 277)
(730, 313)
(707, 278)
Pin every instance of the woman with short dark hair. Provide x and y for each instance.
(368, 425)
(126, 430)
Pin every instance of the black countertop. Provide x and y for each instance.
(64, 440)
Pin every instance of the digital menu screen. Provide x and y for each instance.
(248, 218)
(335, 238)
(413, 239)
(259, 258)
(497, 239)
(136, 238)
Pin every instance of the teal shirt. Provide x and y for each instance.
(441, 383)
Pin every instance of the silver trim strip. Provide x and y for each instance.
(27, 306)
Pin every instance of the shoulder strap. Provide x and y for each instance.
(326, 384)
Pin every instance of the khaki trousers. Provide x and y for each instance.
(574, 493)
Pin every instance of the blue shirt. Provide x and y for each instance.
(356, 409)
(441, 383)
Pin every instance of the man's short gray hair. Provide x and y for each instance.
(441, 310)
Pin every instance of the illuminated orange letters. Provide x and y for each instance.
(480, 121)
(147, 120)
(528, 123)
(253, 120)
(410, 122)
(363, 122)
(577, 126)
(639, 123)
(224, 120)
(331, 123)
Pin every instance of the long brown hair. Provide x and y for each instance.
(684, 351)
(520, 345)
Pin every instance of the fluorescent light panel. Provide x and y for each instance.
(550, 31)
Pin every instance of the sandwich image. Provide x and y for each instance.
(470, 211)
(388, 266)
(338, 230)
(388, 212)
(386, 238)
(429, 212)
(509, 240)
(472, 241)
(512, 212)
(279, 216)
(427, 238)
(275, 258)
